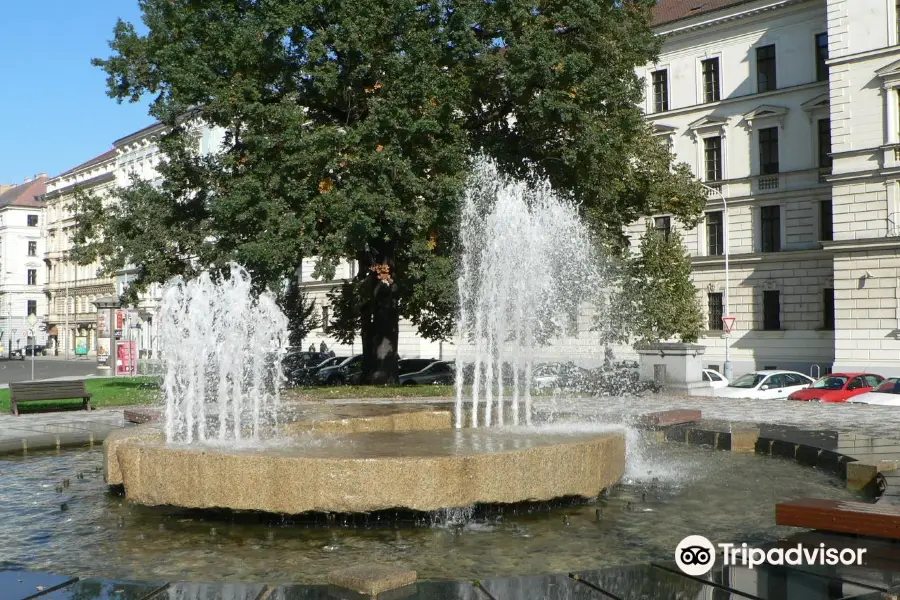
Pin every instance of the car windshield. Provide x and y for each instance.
(889, 386)
(830, 383)
(750, 380)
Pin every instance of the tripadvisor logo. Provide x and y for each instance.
(695, 555)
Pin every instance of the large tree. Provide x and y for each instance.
(350, 131)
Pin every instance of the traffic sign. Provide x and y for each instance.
(32, 319)
(728, 322)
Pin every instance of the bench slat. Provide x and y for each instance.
(30, 391)
(874, 520)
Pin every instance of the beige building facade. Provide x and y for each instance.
(789, 111)
(72, 289)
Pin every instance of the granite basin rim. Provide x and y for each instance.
(514, 467)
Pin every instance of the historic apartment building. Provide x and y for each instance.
(72, 289)
(787, 110)
(22, 270)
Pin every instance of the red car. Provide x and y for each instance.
(838, 387)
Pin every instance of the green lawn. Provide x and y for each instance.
(106, 392)
(340, 392)
(343, 392)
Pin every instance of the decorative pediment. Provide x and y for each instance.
(891, 71)
(708, 124)
(713, 287)
(765, 114)
(708, 121)
(820, 102)
(660, 129)
(770, 285)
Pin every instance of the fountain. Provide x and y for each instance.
(223, 359)
(527, 266)
(227, 442)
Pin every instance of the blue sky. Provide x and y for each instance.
(54, 111)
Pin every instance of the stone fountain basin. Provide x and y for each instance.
(366, 461)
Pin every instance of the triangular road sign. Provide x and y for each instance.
(728, 322)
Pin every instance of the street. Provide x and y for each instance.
(46, 367)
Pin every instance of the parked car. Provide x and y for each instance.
(437, 373)
(765, 385)
(412, 365)
(838, 387)
(297, 364)
(567, 376)
(17, 354)
(886, 394)
(715, 379)
(347, 371)
(36, 349)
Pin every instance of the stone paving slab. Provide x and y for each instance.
(41, 431)
(210, 591)
(105, 589)
(540, 588)
(18, 585)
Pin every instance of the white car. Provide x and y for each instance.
(765, 385)
(715, 379)
(886, 394)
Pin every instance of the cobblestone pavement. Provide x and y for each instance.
(876, 421)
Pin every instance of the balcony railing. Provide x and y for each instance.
(767, 183)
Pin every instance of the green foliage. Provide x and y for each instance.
(658, 299)
(350, 128)
(300, 312)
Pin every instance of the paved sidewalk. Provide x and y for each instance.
(42, 431)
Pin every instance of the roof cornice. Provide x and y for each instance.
(718, 17)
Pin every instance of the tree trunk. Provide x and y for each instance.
(380, 318)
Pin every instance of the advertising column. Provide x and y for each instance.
(103, 339)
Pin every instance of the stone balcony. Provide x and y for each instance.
(767, 184)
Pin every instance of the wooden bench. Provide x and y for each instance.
(33, 391)
(860, 518)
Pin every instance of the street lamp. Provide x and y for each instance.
(8, 312)
(726, 370)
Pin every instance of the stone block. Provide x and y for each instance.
(862, 474)
(371, 579)
(362, 472)
(744, 440)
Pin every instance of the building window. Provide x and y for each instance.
(32, 307)
(771, 310)
(32, 220)
(768, 151)
(710, 79)
(32, 248)
(715, 235)
(897, 15)
(826, 221)
(828, 309)
(663, 225)
(712, 151)
(716, 305)
(821, 57)
(770, 219)
(660, 91)
(765, 69)
(824, 143)
(326, 320)
(32, 276)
